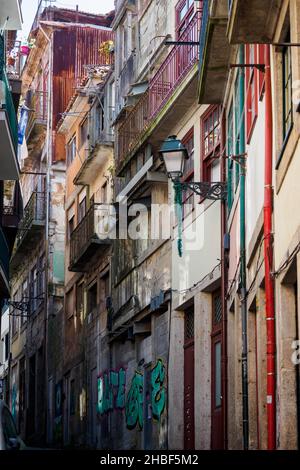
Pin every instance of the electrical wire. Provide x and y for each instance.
(194, 286)
(287, 262)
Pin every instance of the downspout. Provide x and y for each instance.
(268, 259)
(224, 278)
(47, 217)
(243, 275)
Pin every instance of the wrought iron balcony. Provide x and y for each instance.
(37, 119)
(30, 227)
(89, 237)
(162, 87)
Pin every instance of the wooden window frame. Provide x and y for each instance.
(188, 176)
(251, 86)
(186, 18)
(70, 154)
(208, 157)
(230, 163)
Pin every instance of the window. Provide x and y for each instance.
(217, 309)
(6, 347)
(188, 195)
(41, 279)
(69, 303)
(34, 289)
(251, 89)
(84, 130)
(287, 89)
(184, 13)
(15, 315)
(230, 152)
(71, 225)
(92, 297)
(189, 324)
(104, 192)
(24, 299)
(84, 137)
(71, 150)
(81, 209)
(210, 141)
(235, 137)
(104, 290)
(79, 299)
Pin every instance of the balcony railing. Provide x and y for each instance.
(34, 213)
(8, 104)
(88, 236)
(171, 73)
(38, 110)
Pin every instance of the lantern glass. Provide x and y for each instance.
(174, 162)
(174, 154)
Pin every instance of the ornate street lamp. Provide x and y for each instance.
(174, 154)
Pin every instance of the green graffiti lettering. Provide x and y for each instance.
(134, 402)
(100, 396)
(158, 396)
(120, 402)
(111, 391)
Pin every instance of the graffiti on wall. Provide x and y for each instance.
(111, 394)
(111, 391)
(158, 398)
(14, 401)
(134, 402)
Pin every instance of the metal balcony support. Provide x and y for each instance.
(260, 67)
(181, 43)
(214, 191)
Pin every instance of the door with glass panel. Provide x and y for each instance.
(217, 438)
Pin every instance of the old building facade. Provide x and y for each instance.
(10, 196)
(37, 264)
(158, 313)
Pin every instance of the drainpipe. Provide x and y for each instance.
(243, 275)
(224, 286)
(268, 259)
(47, 216)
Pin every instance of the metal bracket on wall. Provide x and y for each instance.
(260, 67)
(18, 305)
(214, 191)
(181, 43)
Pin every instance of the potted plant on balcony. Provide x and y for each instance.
(106, 49)
(11, 60)
(26, 46)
